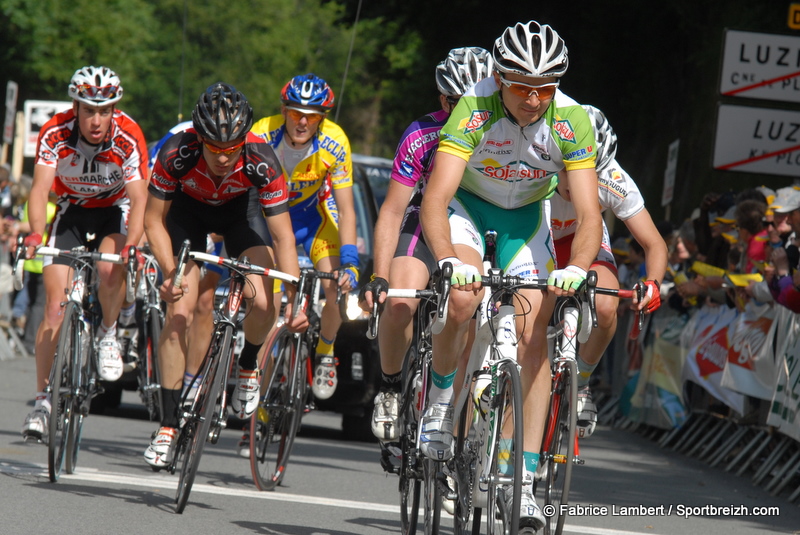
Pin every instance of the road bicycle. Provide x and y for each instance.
(74, 378)
(574, 317)
(286, 374)
(204, 404)
(418, 475)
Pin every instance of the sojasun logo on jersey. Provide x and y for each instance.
(513, 171)
(477, 120)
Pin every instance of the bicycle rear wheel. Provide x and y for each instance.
(559, 449)
(433, 495)
(274, 424)
(195, 431)
(410, 485)
(466, 518)
(506, 470)
(61, 398)
(149, 372)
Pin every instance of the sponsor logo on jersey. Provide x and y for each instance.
(406, 170)
(564, 131)
(123, 144)
(557, 224)
(614, 185)
(336, 150)
(577, 154)
(541, 152)
(500, 144)
(499, 152)
(476, 121)
(513, 171)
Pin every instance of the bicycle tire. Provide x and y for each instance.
(410, 484)
(432, 491)
(507, 407)
(196, 429)
(150, 372)
(61, 399)
(83, 389)
(560, 451)
(463, 468)
(271, 433)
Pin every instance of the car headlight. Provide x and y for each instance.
(353, 311)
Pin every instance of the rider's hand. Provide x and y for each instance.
(125, 253)
(295, 323)
(652, 297)
(31, 242)
(348, 277)
(169, 292)
(567, 280)
(463, 274)
(374, 289)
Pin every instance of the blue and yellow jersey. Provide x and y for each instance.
(327, 165)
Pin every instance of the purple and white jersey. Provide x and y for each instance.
(413, 161)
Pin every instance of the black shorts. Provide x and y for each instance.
(239, 221)
(75, 226)
(411, 241)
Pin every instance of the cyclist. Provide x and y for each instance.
(497, 161)
(401, 255)
(216, 177)
(618, 192)
(95, 157)
(315, 154)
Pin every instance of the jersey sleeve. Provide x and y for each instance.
(177, 156)
(50, 137)
(466, 126)
(129, 138)
(341, 170)
(618, 192)
(265, 173)
(572, 130)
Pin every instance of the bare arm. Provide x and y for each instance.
(645, 232)
(137, 193)
(387, 228)
(347, 215)
(43, 178)
(155, 226)
(582, 184)
(442, 186)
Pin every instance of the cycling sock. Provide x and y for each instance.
(188, 381)
(391, 383)
(325, 346)
(103, 330)
(441, 388)
(171, 399)
(531, 461)
(42, 400)
(504, 456)
(248, 359)
(585, 371)
(127, 315)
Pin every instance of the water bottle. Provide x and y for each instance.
(78, 288)
(481, 394)
(418, 395)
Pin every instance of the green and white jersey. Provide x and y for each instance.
(510, 166)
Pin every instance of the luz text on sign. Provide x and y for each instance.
(761, 65)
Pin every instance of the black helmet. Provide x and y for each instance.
(222, 113)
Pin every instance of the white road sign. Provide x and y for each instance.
(669, 173)
(758, 140)
(761, 65)
(12, 89)
(37, 113)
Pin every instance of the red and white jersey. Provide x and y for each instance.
(180, 165)
(90, 178)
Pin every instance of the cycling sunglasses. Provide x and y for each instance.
(93, 91)
(312, 117)
(219, 150)
(526, 91)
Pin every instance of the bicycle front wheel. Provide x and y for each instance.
(433, 495)
(201, 415)
(61, 398)
(504, 481)
(410, 485)
(274, 424)
(559, 447)
(150, 374)
(83, 389)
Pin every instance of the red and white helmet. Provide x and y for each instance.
(95, 86)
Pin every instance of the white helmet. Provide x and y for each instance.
(462, 69)
(531, 49)
(95, 86)
(604, 135)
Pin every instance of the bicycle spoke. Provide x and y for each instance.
(61, 399)
(560, 451)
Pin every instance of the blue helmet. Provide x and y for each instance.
(308, 90)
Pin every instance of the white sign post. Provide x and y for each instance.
(37, 113)
(758, 140)
(12, 89)
(669, 174)
(761, 65)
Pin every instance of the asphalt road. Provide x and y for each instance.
(334, 486)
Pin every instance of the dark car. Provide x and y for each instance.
(359, 363)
